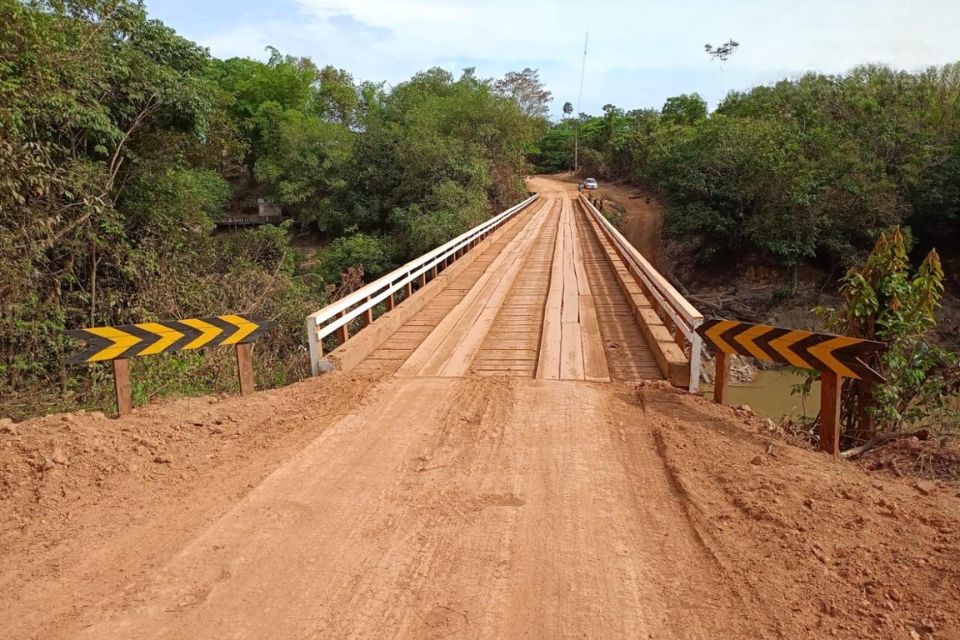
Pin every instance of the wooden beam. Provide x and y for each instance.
(831, 386)
(721, 377)
(391, 303)
(121, 386)
(245, 369)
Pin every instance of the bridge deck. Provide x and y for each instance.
(540, 301)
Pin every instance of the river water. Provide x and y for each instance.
(769, 395)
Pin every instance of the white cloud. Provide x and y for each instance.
(384, 39)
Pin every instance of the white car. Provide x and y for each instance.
(591, 183)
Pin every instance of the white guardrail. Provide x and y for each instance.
(337, 316)
(671, 306)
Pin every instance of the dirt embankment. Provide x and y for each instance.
(88, 503)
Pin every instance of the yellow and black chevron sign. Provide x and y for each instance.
(848, 357)
(149, 338)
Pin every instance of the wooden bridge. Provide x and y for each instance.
(548, 289)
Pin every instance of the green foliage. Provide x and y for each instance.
(804, 170)
(883, 301)
(373, 254)
(685, 109)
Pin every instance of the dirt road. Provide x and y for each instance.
(489, 508)
(457, 514)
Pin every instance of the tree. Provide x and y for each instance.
(723, 51)
(567, 109)
(882, 300)
(525, 88)
(684, 109)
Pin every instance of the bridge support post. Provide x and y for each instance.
(721, 377)
(343, 333)
(831, 386)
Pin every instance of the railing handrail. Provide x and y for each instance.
(368, 290)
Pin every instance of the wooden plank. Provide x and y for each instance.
(583, 283)
(548, 363)
(721, 377)
(439, 346)
(469, 346)
(571, 352)
(571, 293)
(121, 386)
(831, 386)
(594, 357)
(245, 369)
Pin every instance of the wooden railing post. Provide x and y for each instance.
(368, 314)
(721, 377)
(245, 369)
(831, 386)
(391, 303)
(343, 333)
(121, 386)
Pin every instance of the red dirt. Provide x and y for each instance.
(428, 508)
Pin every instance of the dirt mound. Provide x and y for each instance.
(78, 487)
(831, 550)
(934, 459)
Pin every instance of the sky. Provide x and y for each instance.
(639, 53)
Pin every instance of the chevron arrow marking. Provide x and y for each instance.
(121, 342)
(747, 337)
(824, 351)
(714, 333)
(820, 351)
(151, 338)
(245, 328)
(207, 332)
(168, 335)
(783, 344)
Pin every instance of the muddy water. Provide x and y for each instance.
(769, 395)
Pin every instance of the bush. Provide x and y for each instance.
(374, 254)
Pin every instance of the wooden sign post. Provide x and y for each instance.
(721, 378)
(835, 357)
(118, 344)
(121, 386)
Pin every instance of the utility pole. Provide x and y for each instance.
(576, 135)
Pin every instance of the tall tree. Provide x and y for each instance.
(526, 89)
